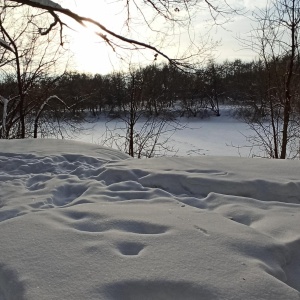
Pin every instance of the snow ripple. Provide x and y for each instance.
(147, 229)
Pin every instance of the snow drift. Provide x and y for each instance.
(79, 221)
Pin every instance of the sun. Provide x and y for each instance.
(91, 53)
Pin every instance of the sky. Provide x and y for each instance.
(92, 55)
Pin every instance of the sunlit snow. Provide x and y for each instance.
(214, 136)
(80, 221)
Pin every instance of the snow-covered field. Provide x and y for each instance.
(213, 136)
(79, 221)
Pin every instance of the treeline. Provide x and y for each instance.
(153, 89)
(157, 89)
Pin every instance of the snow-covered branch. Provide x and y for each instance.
(4, 101)
(54, 97)
(37, 117)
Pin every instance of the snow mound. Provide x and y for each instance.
(80, 221)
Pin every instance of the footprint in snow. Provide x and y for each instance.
(130, 248)
(128, 226)
(127, 230)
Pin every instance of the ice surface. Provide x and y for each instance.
(213, 136)
(80, 221)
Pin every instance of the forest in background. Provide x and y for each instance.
(161, 92)
(34, 103)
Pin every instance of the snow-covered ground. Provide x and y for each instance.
(79, 221)
(213, 136)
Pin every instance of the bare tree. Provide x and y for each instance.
(140, 133)
(277, 41)
(170, 12)
(50, 16)
(27, 61)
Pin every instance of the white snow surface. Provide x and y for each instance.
(80, 221)
(213, 136)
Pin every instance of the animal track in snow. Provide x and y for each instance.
(125, 237)
(76, 215)
(130, 248)
(204, 231)
(129, 226)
